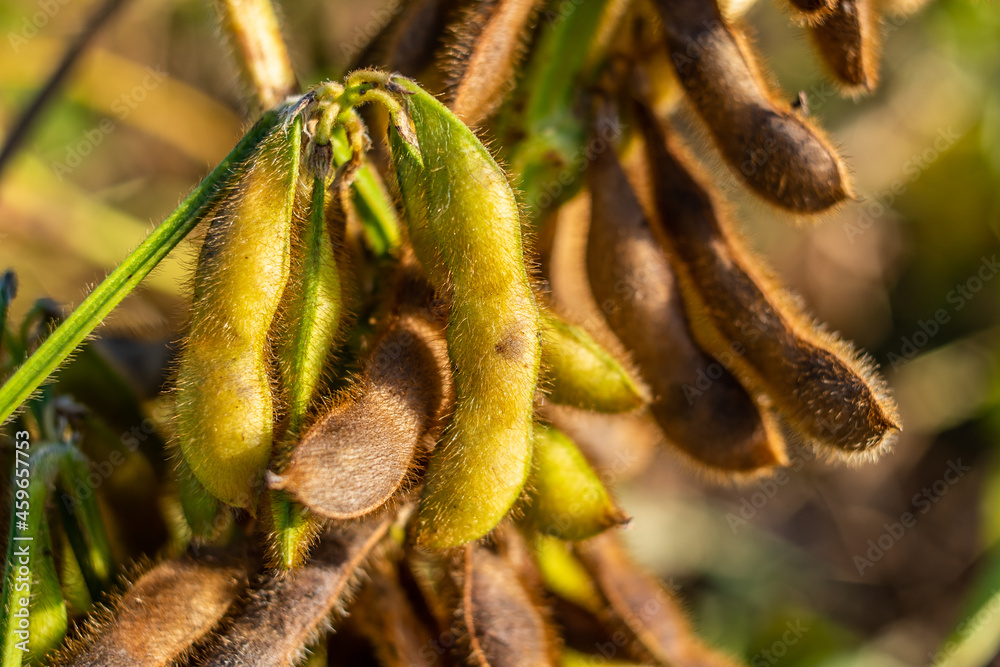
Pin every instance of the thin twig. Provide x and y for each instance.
(31, 114)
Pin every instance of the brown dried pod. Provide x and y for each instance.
(488, 45)
(777, 153)
(812, 11)
(826, 390)
(701, 408)
(385, 615)
(849, 43)
(639, 605)
(499, 618)
(360, 453)
(292, 608)
(408, 41)
(163, 615)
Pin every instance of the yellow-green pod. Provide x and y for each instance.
(566, 499)
(579, 372)
(203, 513)
(48, 618)
(465, 229)
(563, 574)
(313, 305)
(224, 403)
(312, 315)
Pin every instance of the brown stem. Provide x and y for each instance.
(255, 36)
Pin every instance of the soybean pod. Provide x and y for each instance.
(824, 388)
(225, 408)
(699, 405)
(465, 230)
(778, 154)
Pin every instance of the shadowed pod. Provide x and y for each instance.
(225, 410)
(465, 229)
(700, 407)
(385, 614)
(779, 155)
(849, 43)
(363, 451)
(489, 40)
(497, 615)
(407, 43)
(820, 384)
(812, 11)
(638, 604)
(170, 608)
(291, 609)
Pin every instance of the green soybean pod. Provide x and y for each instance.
(225, 409)
(465, 230)
(566, 498)
(579, 372)
(310, 318)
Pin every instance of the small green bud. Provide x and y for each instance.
(566, 499)
(581, 373)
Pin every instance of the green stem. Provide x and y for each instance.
(129, 273)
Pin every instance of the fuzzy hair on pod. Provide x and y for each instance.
(497, 615)
(639, 605)
(488, 43)
(849, 43)
(224, 403)
(464, 226)
(167, 610)
(779, 155)
(576, 370)
(701, 408)
(291, 609)
(826, 390)
(361, 452)
(566, 498)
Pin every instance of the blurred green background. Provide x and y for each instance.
(814, 567)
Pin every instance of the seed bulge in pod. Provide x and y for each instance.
(465, 230)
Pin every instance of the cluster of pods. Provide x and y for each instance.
(408, 433)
